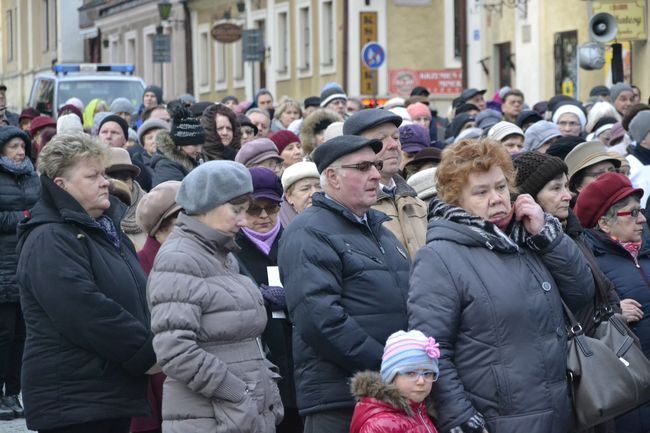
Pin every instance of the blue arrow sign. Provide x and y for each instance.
(373, 55)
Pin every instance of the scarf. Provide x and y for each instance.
(263, 241)
(17, 168)
(631, 247)
(287, 213)
(107, 226)
(509, 239)
(642, 154)
(129, 225)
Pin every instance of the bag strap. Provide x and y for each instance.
(575, 328)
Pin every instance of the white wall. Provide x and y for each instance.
(70, 46)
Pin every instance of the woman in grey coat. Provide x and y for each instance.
(488, 286)
(207, 318)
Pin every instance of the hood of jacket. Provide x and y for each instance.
(212, 139)
(369, 384)
(315, 121)
(168, 150)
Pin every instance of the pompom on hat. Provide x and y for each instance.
(410, 350)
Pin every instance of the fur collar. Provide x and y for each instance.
(172, 152)
(369, 384)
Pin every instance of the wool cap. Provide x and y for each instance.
(564, 145)
(156, 91)
(617, 134)
(418, 109)
(117, 119)
(539, 133)
(244, 120)
(570, 109)
(535, 170)
(266, 184)
(599, 91)
(334, 129)
(186, 129)
(468, 134)
(69, 124)
(369, 118)
(503, 129)
(212, 184)
(331, 93)
(256, 151)
(157, 205)
(640, 126)
(487, 118)
(597, 197)
(76, 102)
(97, 120)
(298, 171)
(28, 113)
(408, 351)
(414, 138)
(338, 147)
(312, 101)
(457, 125)
(121, 105)
(133, 136)
(587, 154)
(284, 138)
(120, 160)
(71, 109)
(617, 89)
(40, 122)
(9, 132)
(150, 124)
(527, 116)
(424, 183)
(187, 99)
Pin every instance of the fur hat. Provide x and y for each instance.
(535, 170)
(157, 205)
(410, 350)
(212, 184)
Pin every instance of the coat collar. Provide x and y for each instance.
(402, 189)
(375, 218)
(213, 239)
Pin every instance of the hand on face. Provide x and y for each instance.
(529, 213)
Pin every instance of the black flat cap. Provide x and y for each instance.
(599, 91)
(470, 93)
(528, 116)
(312, 101)
(335, 148)
(369, 118)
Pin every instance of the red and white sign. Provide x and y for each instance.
(437, 81)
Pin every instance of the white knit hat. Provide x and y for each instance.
(69, 124)
(571, 109)
(502, 129)
(298, 171)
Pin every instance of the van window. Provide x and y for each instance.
(105, 90)
(44, 100)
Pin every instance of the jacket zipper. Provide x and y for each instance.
(424, 423)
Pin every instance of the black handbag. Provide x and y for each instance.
(608, 373)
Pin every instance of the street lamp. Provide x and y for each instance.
(164, 9)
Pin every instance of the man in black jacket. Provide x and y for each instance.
(346, 281)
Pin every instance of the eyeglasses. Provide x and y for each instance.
(427, 375)
(597, 174)
(255, 211)
(634, 213)
(365, 165)
(565, 123)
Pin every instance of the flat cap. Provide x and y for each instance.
(337, 147)
(369, 118)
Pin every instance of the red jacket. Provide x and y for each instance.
(381, 409)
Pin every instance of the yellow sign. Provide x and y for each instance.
(630, 17)
(368, 33)
(567, 87)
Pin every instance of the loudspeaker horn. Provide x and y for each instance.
(603, 27)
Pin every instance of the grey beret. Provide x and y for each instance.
(121, 105)
(539, 133)
(212, 184)
(369, 118)
(487, 118)
(149, 125)
(640, 126)
(617, 89)
(337, 147)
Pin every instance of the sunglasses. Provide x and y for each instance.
(365, 165)
(255, 211)
(634, 213)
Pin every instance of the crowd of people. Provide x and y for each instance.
(316, 266)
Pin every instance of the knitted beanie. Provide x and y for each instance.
(617, 89)
(640, 126)
(284, 138)
(409, 351)
(534, 170)
(330, 93)
(186, 130)
(570, 109)
(418, 109)
(121, 105)
(503, 129)
(69, 124)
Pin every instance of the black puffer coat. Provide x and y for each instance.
(346, 284)
(19, 191)
(88, 342)
(495, 309)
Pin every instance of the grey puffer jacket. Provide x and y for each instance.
(494, 305)
(19, 191)
(207, 320)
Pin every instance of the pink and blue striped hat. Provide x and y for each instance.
(409, 351)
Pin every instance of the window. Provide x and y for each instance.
(49, 25)
(114, 48)
(204, 56)
(129, 48)
(10, 36)
(282, 43)
(220, 64)
(147, 56)
(303, 39)
(566, 67)
(327, 40)
(238, 62)
(504, 65)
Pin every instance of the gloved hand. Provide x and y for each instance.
(274, 296)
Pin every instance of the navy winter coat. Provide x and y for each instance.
(19, 190)
(496, 311)
(88, 342)
(346, 285)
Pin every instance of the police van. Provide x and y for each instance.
(85, 81)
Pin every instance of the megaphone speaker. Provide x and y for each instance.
(603, 27)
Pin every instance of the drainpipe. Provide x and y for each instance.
(344, 66)
(189, 65)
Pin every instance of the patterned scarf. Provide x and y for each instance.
(107, 226)
(631, 247)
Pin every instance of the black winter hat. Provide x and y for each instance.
(119, 120)
(186, 129)
(155, 90)
(534, 170)
(312, 101)
(563, 146)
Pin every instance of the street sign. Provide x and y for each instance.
(373, 55)
(226, 32)
(253, 45)
(162, 52)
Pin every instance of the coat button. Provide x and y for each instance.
(546, 286)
